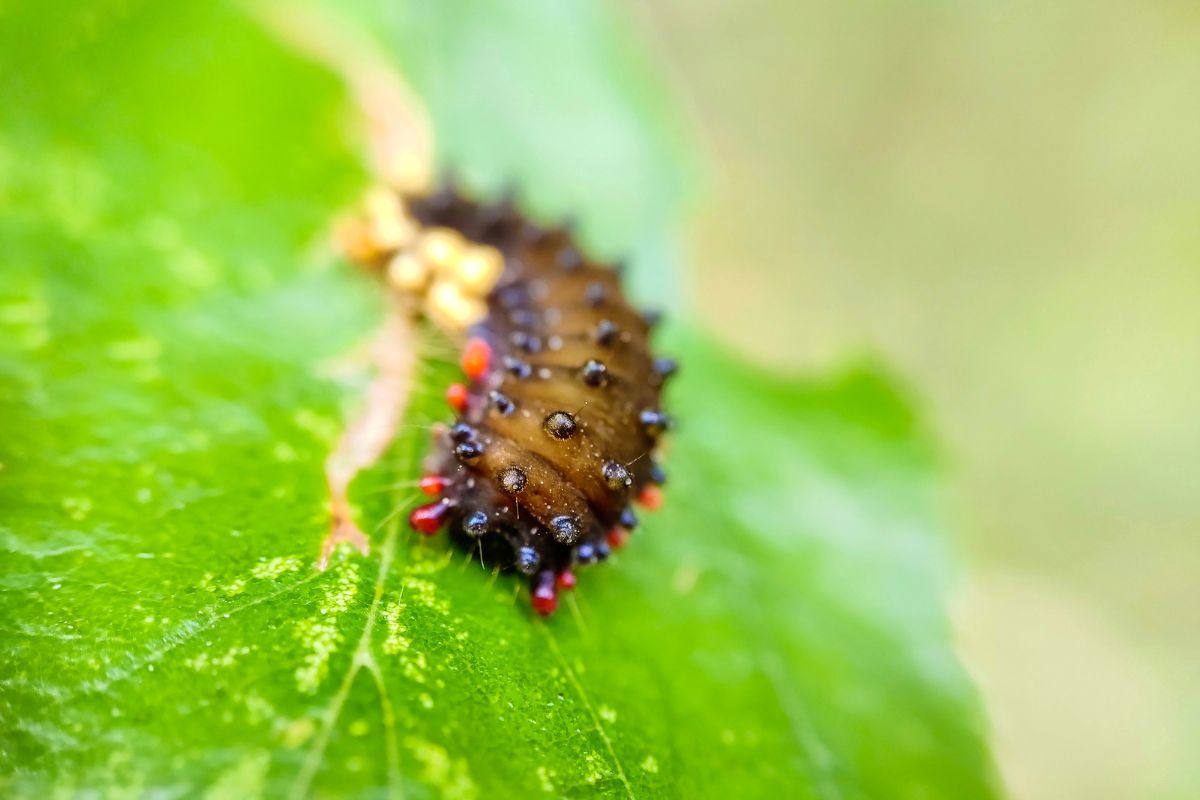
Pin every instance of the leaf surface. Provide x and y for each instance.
(169, 314)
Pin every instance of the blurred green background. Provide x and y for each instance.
(1004, 200)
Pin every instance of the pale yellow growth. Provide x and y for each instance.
(479, 269)
(685, 577)
(321, 632)
(322, 638)
(409, 173)
(413, 663)
(339, 596)
(447, 306)
(125, 780)
(227, 659)
(144, 349)
(408, 273)
(25, 323)
(414, 666)
(437, 266)
(246, 778)
(594, 770)
(545, 777)
(428, 563)
(391, 228)
(321, 427)
(282, 451)
(650, 764)
(264, 570)
(424, 592)
(441, 249)
(298, 732)
(269, 570)
(77, 508)
(396, 641)
(607, 714)
(33, 312)
(448, 776)
(258, 708)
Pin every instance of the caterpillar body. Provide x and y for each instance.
(559, 419)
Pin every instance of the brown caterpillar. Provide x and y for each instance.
(559, 419)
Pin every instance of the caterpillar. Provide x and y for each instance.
(558, 422)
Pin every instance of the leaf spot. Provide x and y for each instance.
(269, 570)
(544, 778)
(448, 775)
(321, 633)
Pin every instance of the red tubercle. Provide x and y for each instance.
(545, 601)
(476, 358)
(544, 596)
(432, 485)
(566, 580)
(428, 518)
(650, 497)
(456, 396)
(617, 538)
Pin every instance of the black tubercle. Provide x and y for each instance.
(462, 432)
(501, 402)
(616, 476)
(512, 480)
(594, 373)
(560, 425)
(468, 451)
(606, 332)
(516, 367)
(475, 524)
(654, 421)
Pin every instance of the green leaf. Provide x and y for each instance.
(169, 309)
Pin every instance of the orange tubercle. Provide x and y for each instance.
(432, 485)
(456, 396)
(651, 498)
(476, 357)
(617, 538)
